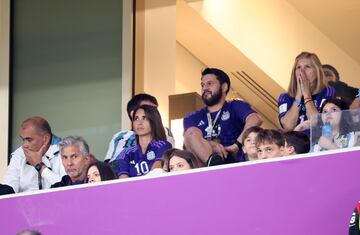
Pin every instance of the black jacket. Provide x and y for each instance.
(65, 181)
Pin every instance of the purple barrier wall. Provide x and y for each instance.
(312, 195)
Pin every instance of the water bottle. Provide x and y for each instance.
(326, 130)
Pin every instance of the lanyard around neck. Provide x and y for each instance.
(39, 181)
(211, 124)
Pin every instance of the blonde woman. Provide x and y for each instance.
(306, 92)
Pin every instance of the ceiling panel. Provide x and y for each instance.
(338, 20)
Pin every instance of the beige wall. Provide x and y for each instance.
(156, 78)
(139, 46)
(160, 52)
(188, 71)
(268, 33)
(4, 83)
(127, 52)
(271, 33)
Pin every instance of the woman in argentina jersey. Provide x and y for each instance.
(151, 144)
(306, 92)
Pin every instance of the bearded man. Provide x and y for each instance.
(214, 133)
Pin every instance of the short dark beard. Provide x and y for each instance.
(214, 99)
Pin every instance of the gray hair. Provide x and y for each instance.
(75, 140)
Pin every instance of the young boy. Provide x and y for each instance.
(249, 143)
(270, 144)
(296, 143)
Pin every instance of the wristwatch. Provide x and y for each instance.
(38, 166)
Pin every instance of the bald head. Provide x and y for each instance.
(40, 125)
(35, 132)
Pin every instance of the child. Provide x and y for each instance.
(339, 132)
(99, 171)
(270, 144)
(296, 142)
(249, 143)
(180, 160)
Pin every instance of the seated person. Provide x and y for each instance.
(343, 91)
(74, 153)
(164, 164)
(249, 144)
(127, 138)
(296, 142)
(99, 171)
(335, 128)
(270, 144)
(305, 94)
(180, 160)
(36, 164)
(151, 138)
(213, 133)
(165, 159)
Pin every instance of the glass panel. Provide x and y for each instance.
(67, 68)
(335, 129)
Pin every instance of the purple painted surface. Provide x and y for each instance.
(314, 195)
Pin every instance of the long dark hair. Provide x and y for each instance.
(153, 115)
(105, 170)
(186, 155)
(166, 157)
(344, 126)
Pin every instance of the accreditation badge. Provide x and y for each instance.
(225, 116)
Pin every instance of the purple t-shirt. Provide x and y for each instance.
(133, 162)
(285, 102)
(229, 125)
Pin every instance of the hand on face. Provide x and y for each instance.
(34, 144)
(304, 84)
(299, 93)
(34, 157)
(306, 75)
